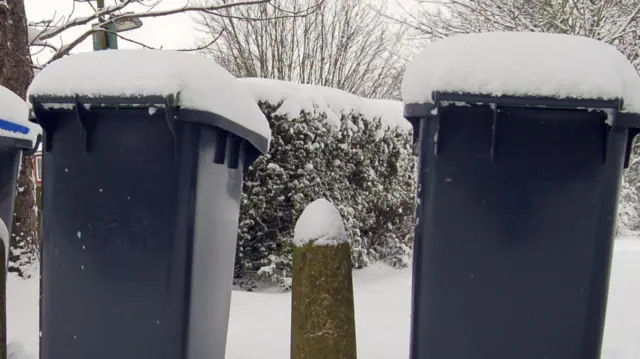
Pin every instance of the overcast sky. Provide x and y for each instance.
(169, 32)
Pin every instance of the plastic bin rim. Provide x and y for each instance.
(425, 108)
(413, 111)
(28, 147)
(186, 115)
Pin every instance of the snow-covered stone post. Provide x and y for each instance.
(523, 138)
(322, 313)
(142, 164)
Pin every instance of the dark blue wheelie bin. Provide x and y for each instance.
(516, 217)
(17, 136)
(140, 211)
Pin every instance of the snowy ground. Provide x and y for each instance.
(382, 299)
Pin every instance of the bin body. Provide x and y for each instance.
(515, 230)
(9, 167)
(16, 135)
(139, 236)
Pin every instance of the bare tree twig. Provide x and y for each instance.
(119, 35)
(113, 11)
(342, 43)
(205, 46)
(118, 12)
(612, 21)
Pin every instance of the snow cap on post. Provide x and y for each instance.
(142, 77)
(15, 128)
(321, 225)
(522, 64)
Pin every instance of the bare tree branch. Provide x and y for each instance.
(66, 49)
(114, 14)
(119, 12)
(345, 44)
(119, 35)
(613, 21)
(206, 45)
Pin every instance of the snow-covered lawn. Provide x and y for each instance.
(259, 324)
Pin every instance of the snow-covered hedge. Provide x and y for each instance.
(327, 143)
(628, 206)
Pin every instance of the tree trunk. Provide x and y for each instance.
(16, 74)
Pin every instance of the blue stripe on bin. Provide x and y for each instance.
(13, 127)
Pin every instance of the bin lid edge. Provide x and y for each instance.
(425, 108)
(256, 139)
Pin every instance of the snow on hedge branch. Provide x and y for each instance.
(296, 98)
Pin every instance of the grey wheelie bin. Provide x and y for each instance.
(521, 150)
(17, 136)
(142, 175)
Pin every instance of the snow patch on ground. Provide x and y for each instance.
(522, 64)
(259, 326)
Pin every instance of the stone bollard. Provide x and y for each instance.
(322, 314)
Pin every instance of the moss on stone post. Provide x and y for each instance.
(322, 313)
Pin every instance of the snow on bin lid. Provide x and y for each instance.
(333, 102)
(522, 64)
(14, 119)
(198, 82)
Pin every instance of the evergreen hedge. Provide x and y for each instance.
(366, 169)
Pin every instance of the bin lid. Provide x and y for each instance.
(148, 78)
(522, 64)
(15, 128)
